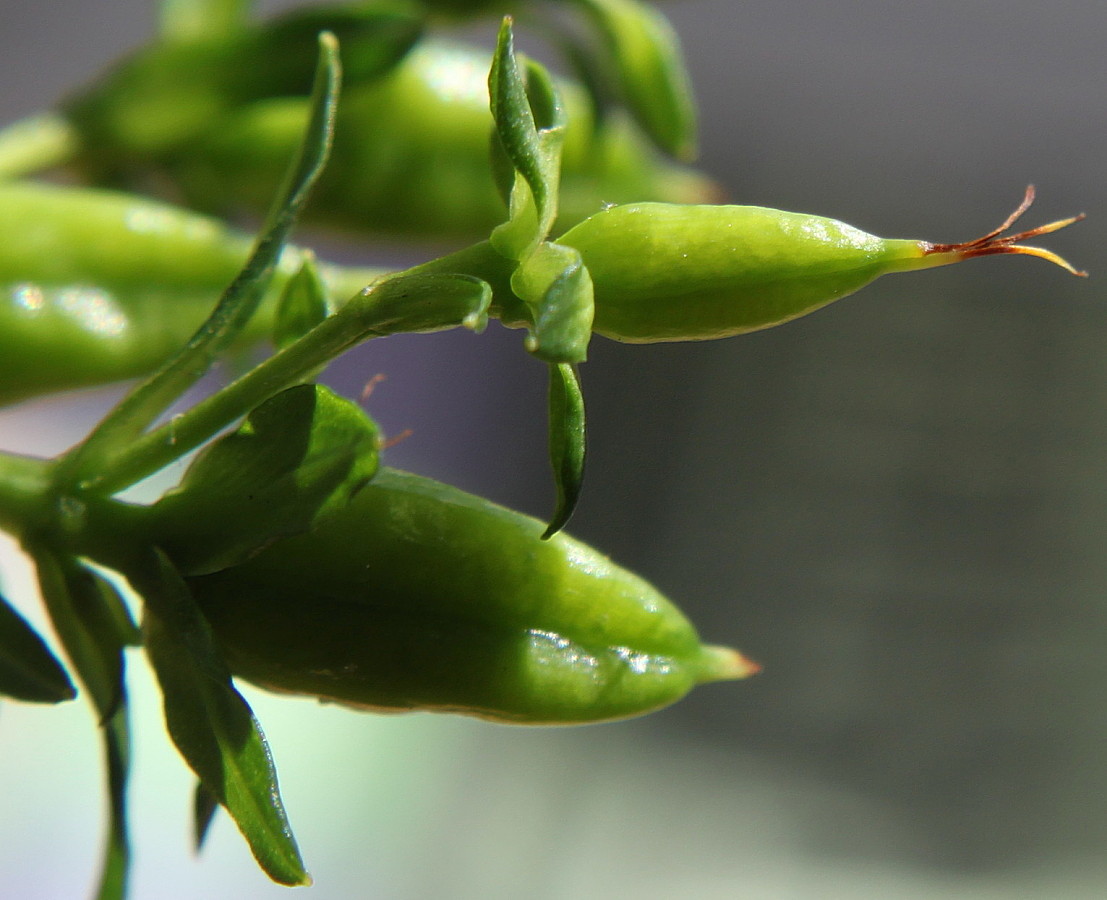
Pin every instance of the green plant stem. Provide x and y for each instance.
(357, 322)
(36, 143)
(481, 260)
(25, 489)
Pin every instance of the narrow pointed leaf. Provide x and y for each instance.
(204, 807)
(80, 603)
(117, 616)
(28, 670)
(298, 458)
(87, 626)
(303, 305)
(144, 404)
(529, 129)
(210, 722)
(567, 442)
(117, 852)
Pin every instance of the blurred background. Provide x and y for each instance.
(898, 505)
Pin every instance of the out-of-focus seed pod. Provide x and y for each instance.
(411, 154)
(419, 596)
(97, 286)
(171, 92)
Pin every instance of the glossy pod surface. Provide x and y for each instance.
(96, 286)
(675, 273)
(420, 596)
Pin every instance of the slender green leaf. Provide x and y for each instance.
(28, 670)
(80, 603)
(117, 616)
(210, 722)
(529, 129)
(303, 304)
(298, 458)
(87, 625)
(146, 402)
(204, 807)
(567, 442)
(654, 83)
(189, 19)
(117, 852)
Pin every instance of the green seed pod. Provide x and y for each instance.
(411, 154)
(96, 286)
(170, 92)
(418, 596)
(682, 273)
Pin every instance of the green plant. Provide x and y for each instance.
(104, 285)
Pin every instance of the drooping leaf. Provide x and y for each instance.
(92, 623)
(204, 807)
(28, 670)
(117, 615)
(89, 628)
(303, 305)
(653, 80)
(210, 722)
(297, 458)
(567, 442)
(117, 852)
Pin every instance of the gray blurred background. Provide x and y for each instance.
(898, 505)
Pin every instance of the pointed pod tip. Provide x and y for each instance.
(719, 663)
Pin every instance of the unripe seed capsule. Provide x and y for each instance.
(96, 285)
(682, 273)
(411, 154)
(419, 596)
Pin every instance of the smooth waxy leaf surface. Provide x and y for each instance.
(210, 722)
(567, 442)
(557, 286)
(530, 125)
(298, 458)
